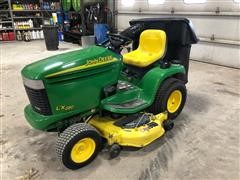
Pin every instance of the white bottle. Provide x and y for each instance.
(41, 34)
(30, 33)
(34, 34)
(19, 36)
(37, 35)
(30, 22)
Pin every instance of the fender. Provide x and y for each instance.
(153, 79)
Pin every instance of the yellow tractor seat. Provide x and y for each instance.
(151, 48)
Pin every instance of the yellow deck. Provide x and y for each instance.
(136, 137)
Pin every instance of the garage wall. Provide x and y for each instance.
(217, 24)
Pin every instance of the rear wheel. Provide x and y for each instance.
(78, 145)
(171, 97)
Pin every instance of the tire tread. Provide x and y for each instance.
(68, 134)
(160, 101)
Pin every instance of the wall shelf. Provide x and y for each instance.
(27, 17)
(7, 22)
(26, 10)
(6, 29)
(28, 29)
(21, 15)
(46, 10)
(4, 11)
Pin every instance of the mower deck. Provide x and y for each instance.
(129, 131)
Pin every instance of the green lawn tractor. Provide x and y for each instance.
(97, 96)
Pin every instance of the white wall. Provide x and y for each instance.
(225, 26)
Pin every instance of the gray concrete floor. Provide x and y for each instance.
(203, 145)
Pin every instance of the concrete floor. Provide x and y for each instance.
(203, 145)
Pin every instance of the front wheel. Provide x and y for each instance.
(78, 145)
(171, 97)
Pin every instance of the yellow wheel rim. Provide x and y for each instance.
(83, 150)
(174, 101)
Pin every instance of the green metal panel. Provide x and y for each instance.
(42, 69)
(42, 122)
(73, 81)
(145, 90)
(153, 79)
(81, 92)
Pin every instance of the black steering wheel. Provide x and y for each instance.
(118, 40)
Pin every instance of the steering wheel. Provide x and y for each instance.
(118, 40)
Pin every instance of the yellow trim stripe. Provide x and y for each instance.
(85, 66)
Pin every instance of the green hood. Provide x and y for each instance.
(69, 62)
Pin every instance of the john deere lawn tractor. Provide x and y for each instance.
(97, 96)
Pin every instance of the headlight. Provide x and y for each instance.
(33, 84)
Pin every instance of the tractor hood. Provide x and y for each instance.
(70, 62)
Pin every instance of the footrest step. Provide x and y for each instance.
(128, 105)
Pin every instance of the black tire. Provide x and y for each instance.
(69, 137)
(114, 151)
(168, 125)
(167, 87)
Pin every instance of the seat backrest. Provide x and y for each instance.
(153, 41)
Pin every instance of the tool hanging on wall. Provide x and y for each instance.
(93, 13)
(79, 23)
(98, 13)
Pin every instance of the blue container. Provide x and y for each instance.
(66, 18)
(100, 32)
(60, 36)
(59, 18)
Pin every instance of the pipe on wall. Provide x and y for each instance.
(219, 41)
(210, 40)
(231, 14)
